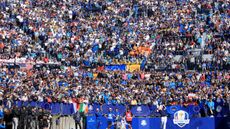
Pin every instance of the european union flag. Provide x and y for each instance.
(182, 30)
(95, 48)
(143, 63)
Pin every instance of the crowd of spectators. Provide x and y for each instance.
(85, 35)
(68, 86)
(116, 30)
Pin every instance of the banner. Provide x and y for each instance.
(115, 67)
(140, 110)
(47, 106)
(144, 61)
(120, 107)
(67, 109)
(56, 108)
(194, 123)
(222, 123)
(94, 123)
(172, 109)
(92, 108)
(168, 123)
(157, 123)
(133, 67)
(91, 122)
(141, 123)
(33, 104)
(192, 110)
(26, 61)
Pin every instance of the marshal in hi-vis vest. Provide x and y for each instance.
(128, 116)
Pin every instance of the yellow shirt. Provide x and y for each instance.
(95, 75)
(134, 102)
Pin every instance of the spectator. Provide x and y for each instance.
(211, 107)
(128, 116)
(16, 114)
(77, 118)
(99, 116)
(110, 118)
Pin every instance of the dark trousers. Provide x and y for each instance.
(98, 124)
(78, 124)
(83, 120)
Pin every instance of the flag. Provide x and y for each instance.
(86, 63)
(75, 107)
(143, 63)
(95, 48)
(133, 67)
(83, 108)
(100, 68)
(182, 28)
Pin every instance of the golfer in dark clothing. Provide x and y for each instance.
(77, 119)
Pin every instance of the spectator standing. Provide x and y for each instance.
(211, 107)
(129, 117)
(2, 121)
(99, 116)
(16, 114)
(77, 118)
(8, 118)
(110, 118)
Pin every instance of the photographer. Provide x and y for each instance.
(34, 119)
(22, 118)
(15, 114)
(8, 118)
(2, 122)
(43, 119)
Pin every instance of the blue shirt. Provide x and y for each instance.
(118, 116)
(172, 85)
(110, 116)
(2, 126)
(98, 116)
(1, 114)
(210, 104)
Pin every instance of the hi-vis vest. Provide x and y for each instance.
(128, 116)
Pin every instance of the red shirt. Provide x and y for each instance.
(128, 116)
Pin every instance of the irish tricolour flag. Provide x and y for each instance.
(83, 108)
